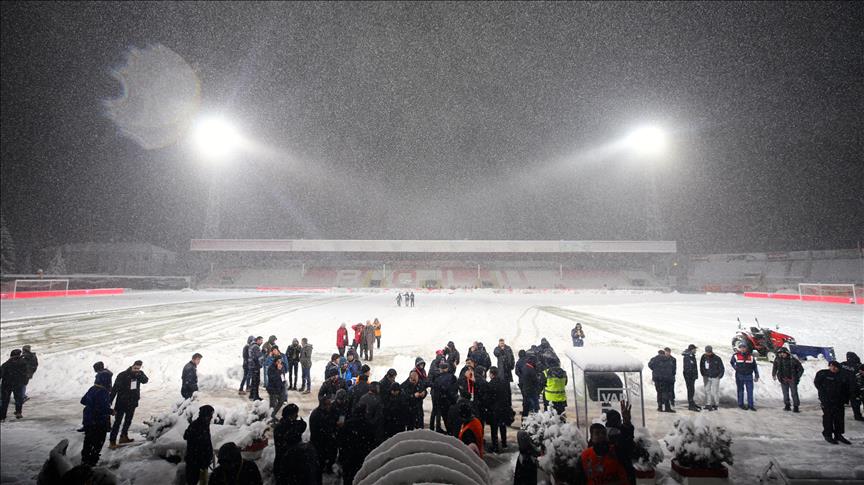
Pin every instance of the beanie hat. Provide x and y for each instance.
(392, 373)
(439, 352)
(365, 368)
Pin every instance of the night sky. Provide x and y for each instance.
(447, 121)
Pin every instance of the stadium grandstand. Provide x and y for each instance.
(247, 263)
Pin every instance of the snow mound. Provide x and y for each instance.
(422, 456)
(696, 442)
(561, 443)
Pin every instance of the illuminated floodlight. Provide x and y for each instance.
(647, 141)
(215, 138)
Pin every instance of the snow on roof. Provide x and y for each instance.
(603, 359)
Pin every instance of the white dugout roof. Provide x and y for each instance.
(430, 246)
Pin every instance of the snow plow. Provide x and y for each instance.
(804, 351)
(762, 342)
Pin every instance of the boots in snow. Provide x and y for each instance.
(125, 439)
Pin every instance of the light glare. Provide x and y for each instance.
(216, 139)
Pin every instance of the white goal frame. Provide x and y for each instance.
(820, 286)
(65, 282)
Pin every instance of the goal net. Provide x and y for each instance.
(825, 291)
(24, 288)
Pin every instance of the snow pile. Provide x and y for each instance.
(603, 359)
(561, 443)
(648, 451)
(240, 425)
(696, 443)
(422, 456)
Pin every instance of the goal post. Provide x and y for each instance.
(54, 287)
(827, 291)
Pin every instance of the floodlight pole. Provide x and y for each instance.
(211, 221)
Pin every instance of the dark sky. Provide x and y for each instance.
(448, 121)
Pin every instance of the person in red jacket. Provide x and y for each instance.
(600, 463)
(471, 432)
(358, 335)
(341, 339)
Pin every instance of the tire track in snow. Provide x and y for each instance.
(629, 331)
(162, 326)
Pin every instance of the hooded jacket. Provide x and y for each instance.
(97, 403)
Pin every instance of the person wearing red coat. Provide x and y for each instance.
(358, 335)
(341, 339)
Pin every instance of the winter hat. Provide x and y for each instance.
(392, 373)
(229, 454)
(419, 361)
(364, 369)
(331, 372)
(709, 349)
(439, 353)
(205, 411)
(15, 353)
(742, 345)
(98, 366)
(691, 347)
(343, 361)
(250, 339)
(783, 350)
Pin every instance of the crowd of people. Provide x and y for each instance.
(355, 414)
(839, 384)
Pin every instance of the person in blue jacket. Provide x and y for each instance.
(97, 418)
(746, 373)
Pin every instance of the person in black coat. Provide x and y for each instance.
(394, 413)
(850, 368)
(506, 361)
(691, 373)
(97, 419)
(276, 386)
(663, 374)
(445, 391)
(531, 386)
(482, 402)
(13, 378)
(452, 355)
(199, 447)
(834, 392)
(125, 395)
(620, 433)
(414, 391)
(385, 384)
(296, 463)
(526, 464)
(233, 469)
(500, 408)
(454, 416)
(32, 362)
(788, 370)
(323, 424)
(712, 368)
(356, 441)
(253, 366)
(189, 379)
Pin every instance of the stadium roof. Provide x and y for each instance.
(430, 246)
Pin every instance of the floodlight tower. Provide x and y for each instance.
(215, 140)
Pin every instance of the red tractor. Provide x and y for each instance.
(763, 342)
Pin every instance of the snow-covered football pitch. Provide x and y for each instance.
(165, 328)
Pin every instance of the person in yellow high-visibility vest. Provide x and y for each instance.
(555, 390)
